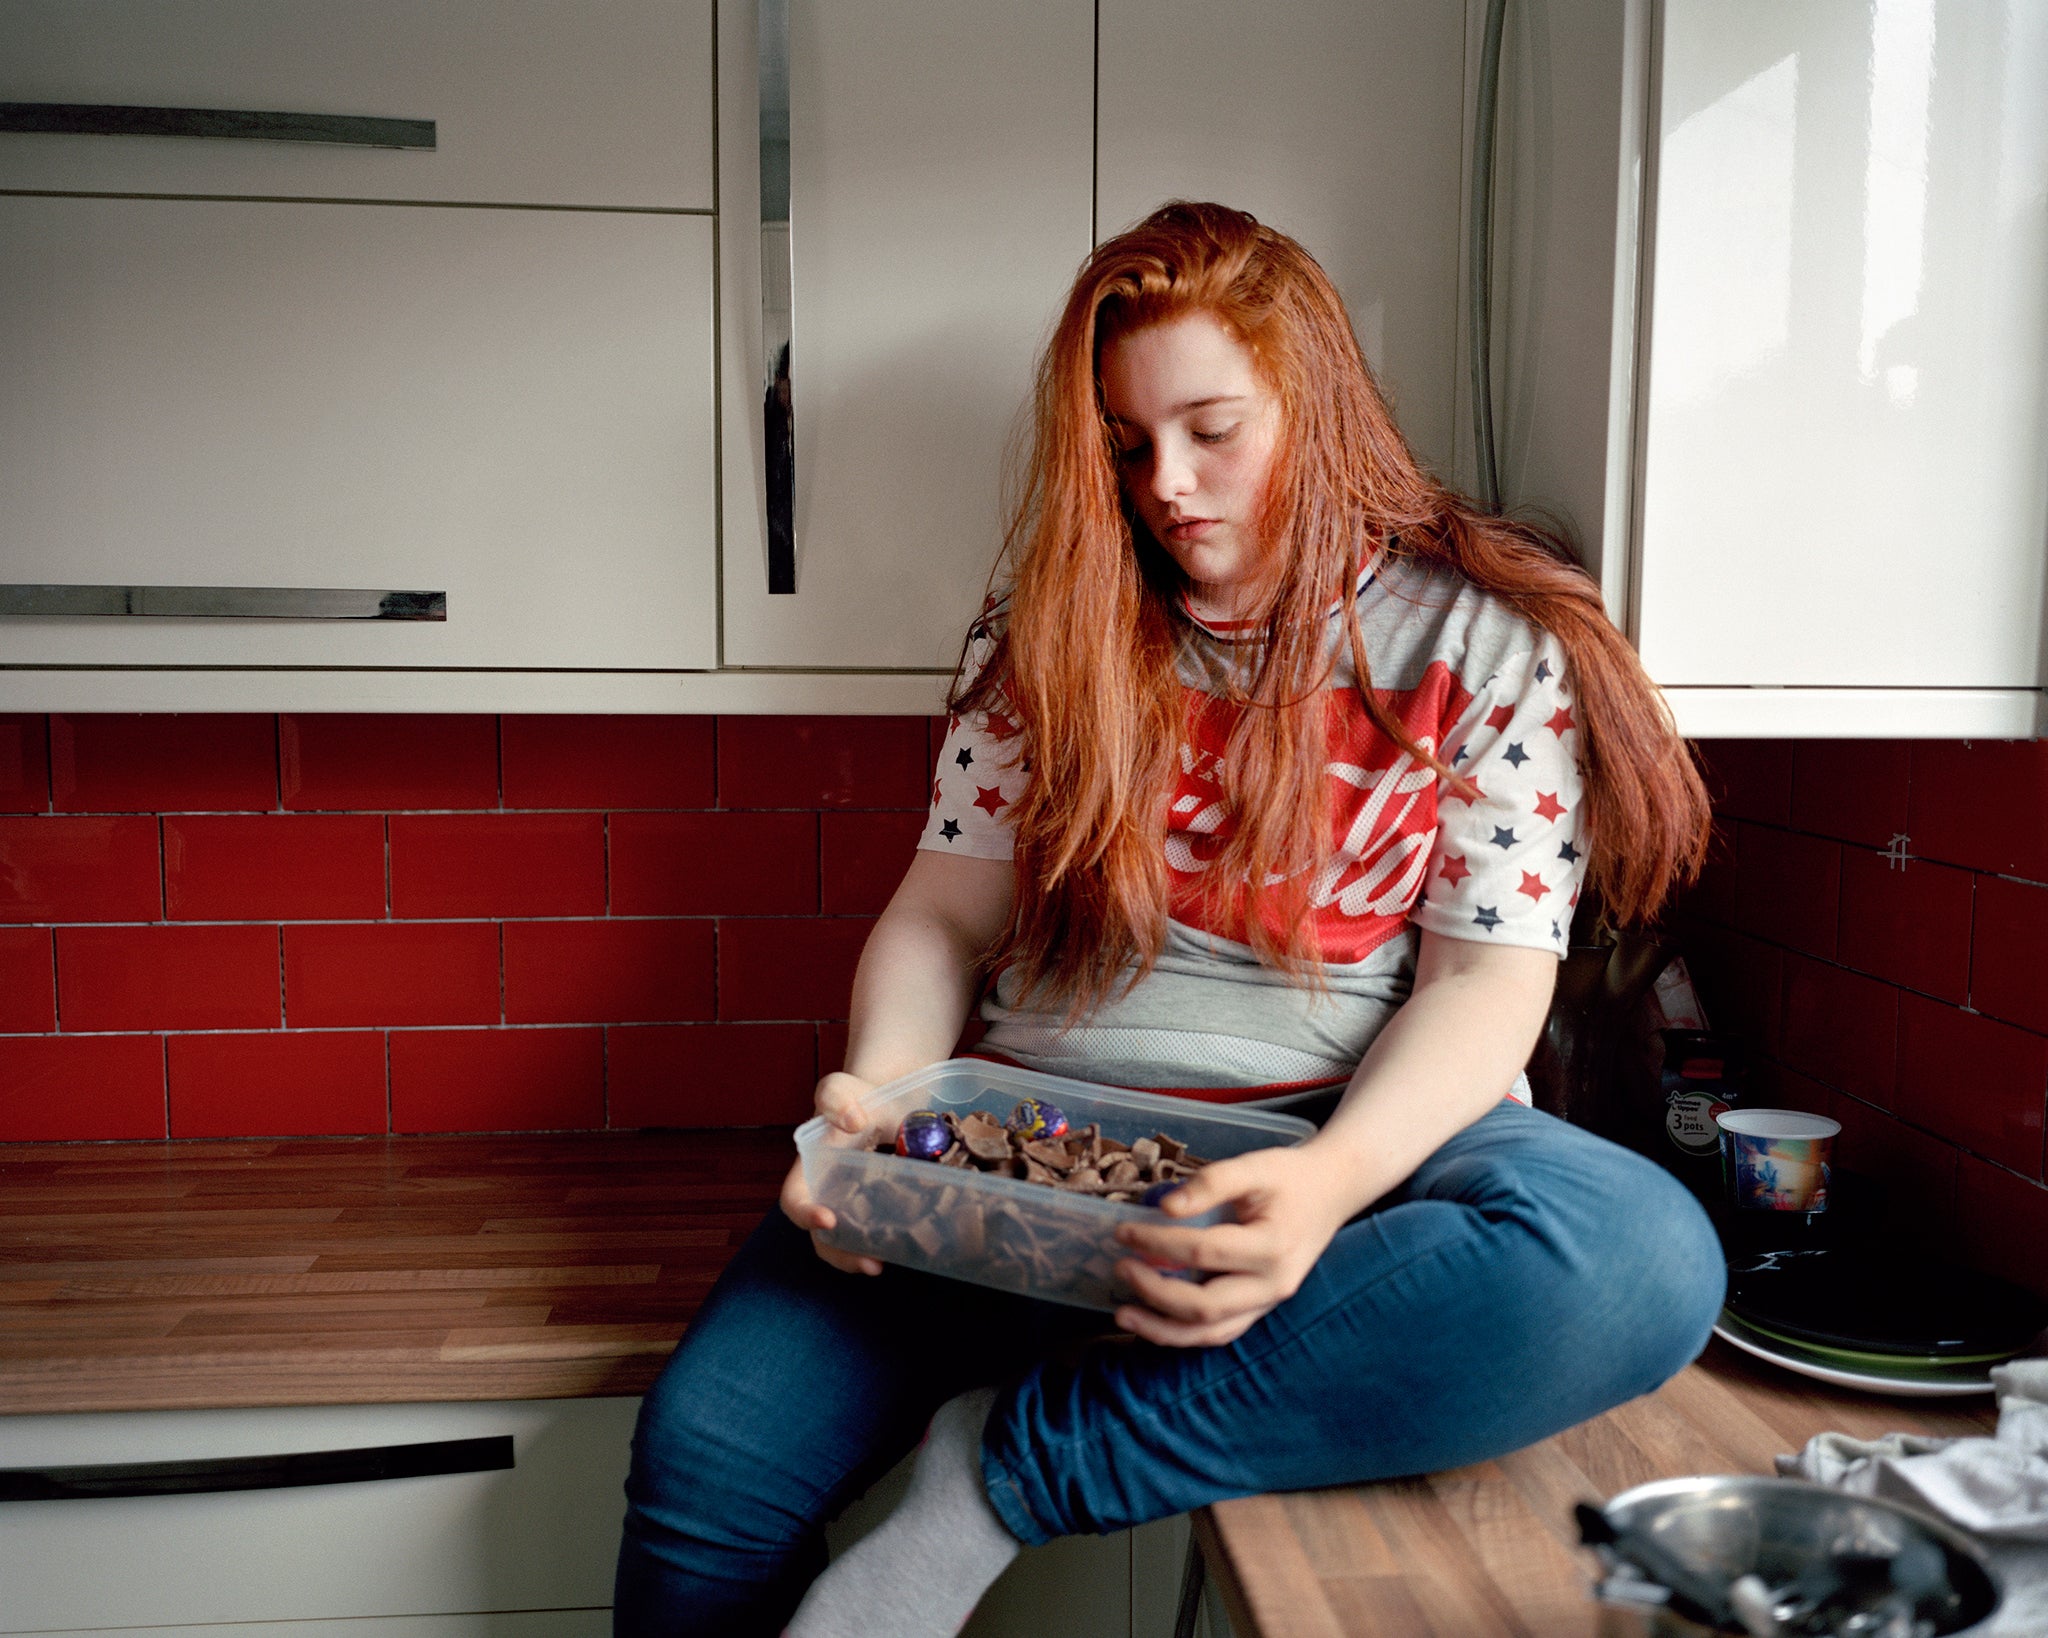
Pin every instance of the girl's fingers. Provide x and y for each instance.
(1211, 1186)
(1142, 1322)
(845, 1261)
(1215, 1302)
(1226, 1248)
(838, 1097)
(796, 1197)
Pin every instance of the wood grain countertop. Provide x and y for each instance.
(151, 1276)
(1491, 1551)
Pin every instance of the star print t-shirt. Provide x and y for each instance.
(1500, 863)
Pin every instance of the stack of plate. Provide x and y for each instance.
(1877, 1318)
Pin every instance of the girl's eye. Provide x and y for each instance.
(1129, 452)
(1214, 437)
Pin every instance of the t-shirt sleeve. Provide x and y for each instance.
(980, 776)
(1506, 865)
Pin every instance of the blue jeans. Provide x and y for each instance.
(1528, 1276)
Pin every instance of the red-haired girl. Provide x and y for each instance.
(1274, 773)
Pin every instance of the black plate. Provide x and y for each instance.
(1883, 1302)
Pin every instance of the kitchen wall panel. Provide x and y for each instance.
(1338, 124)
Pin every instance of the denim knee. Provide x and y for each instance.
(1634, 1256)
(1660, 1249)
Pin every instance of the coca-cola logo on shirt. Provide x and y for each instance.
(1382, 807)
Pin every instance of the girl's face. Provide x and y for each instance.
(1196, 430)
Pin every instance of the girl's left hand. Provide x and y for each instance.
(1289, 1206)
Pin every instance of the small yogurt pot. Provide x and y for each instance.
(1777, 1159)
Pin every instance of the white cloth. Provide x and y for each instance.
(1994, 1488)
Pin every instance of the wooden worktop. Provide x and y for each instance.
(1490, 1551)
(148, 1276)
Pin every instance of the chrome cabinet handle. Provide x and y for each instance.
(114, 119)
(778, 317)
(223, 602)
(492, 1454)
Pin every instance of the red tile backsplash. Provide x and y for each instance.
(710, 864)
(1851, 789)
(497, 864)
(395, 973)
(1907, 921)
(68, 869)
(2008, 961)
(387, 764)
(167, 978)
(28, 986)
(1749, 778)
(2002, 1222)
(61, 1088)
(1841, 1028)
(711, 1074)
(790, 968)
(163, 764)
(1981, 1084)
(607, 972)
(282, 1083)
(274, 867)
(624, 921)
(24, 764)
(497, 1080)
(1925, 1025)
(608, 762)
(823, 762)
(861, 858)
(1790, 884)
(1983, 804)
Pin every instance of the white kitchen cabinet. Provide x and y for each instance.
(1845, 392)
(1817, 497)
(604, 103)
(514, 407)
(524, 1552)
(596, 1623)
(1337, 123)
(541, 1537)
(940, 194)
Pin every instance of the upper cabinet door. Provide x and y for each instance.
(1335, 122)
(939, 208)
(514, 407)
(603, 103)
(1846, 395)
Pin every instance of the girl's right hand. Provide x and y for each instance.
(837, 1099)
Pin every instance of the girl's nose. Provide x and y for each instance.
(1172, 472)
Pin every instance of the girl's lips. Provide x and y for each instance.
(1190, 528)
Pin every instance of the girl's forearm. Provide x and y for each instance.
(1446, 1057)
(911, 992)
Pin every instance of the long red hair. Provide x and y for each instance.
(1085, 650)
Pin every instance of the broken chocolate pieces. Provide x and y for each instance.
(1081, 1162)
(931, 1214)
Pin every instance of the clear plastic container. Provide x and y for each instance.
(1001, 1231)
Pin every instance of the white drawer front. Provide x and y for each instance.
(552, 102)
(497, 1624)
(540, 1537)
(514, 407)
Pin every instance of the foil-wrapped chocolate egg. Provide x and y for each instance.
(1035, 1118)
(923, 1136)
(1158, 1192)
